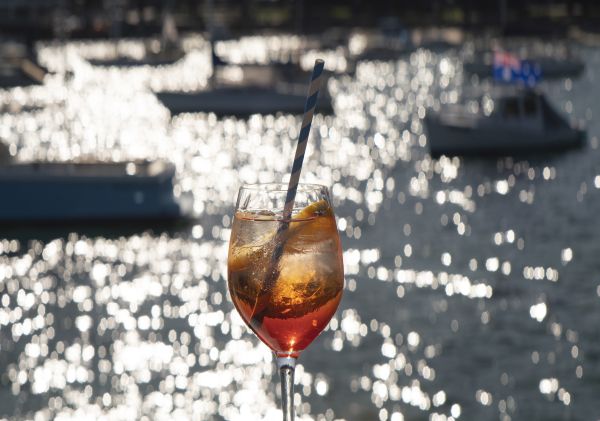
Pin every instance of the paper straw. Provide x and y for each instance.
(309, 110)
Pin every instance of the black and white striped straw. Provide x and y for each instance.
(309, 110)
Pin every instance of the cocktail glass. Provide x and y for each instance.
(285, 275)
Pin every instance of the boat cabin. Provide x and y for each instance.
(527, 108)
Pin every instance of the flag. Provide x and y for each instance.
(509, 68)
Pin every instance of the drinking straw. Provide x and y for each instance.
(309, 109)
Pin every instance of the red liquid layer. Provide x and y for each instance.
(287, 337)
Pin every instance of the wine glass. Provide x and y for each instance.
(285, 275)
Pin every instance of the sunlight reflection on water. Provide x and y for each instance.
(454, 299)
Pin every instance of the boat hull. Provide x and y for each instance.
(446, 139)
(151, 60)
(241, 102)
(31, 194)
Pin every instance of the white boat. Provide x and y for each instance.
(520, 121)
(50, 192)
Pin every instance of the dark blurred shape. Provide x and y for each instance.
(18, 65)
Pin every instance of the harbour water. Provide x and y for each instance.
(472, 285)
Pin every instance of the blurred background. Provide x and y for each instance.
(460, 144)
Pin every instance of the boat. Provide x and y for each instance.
(238, 101)
(517, 121)
(245, 89)
(51, 192)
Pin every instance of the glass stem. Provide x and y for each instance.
(286, 367)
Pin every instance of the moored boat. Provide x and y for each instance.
(518, 122)
(239, 101)
(47, 191)
(245, 89)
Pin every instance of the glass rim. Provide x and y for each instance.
(281, 187)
